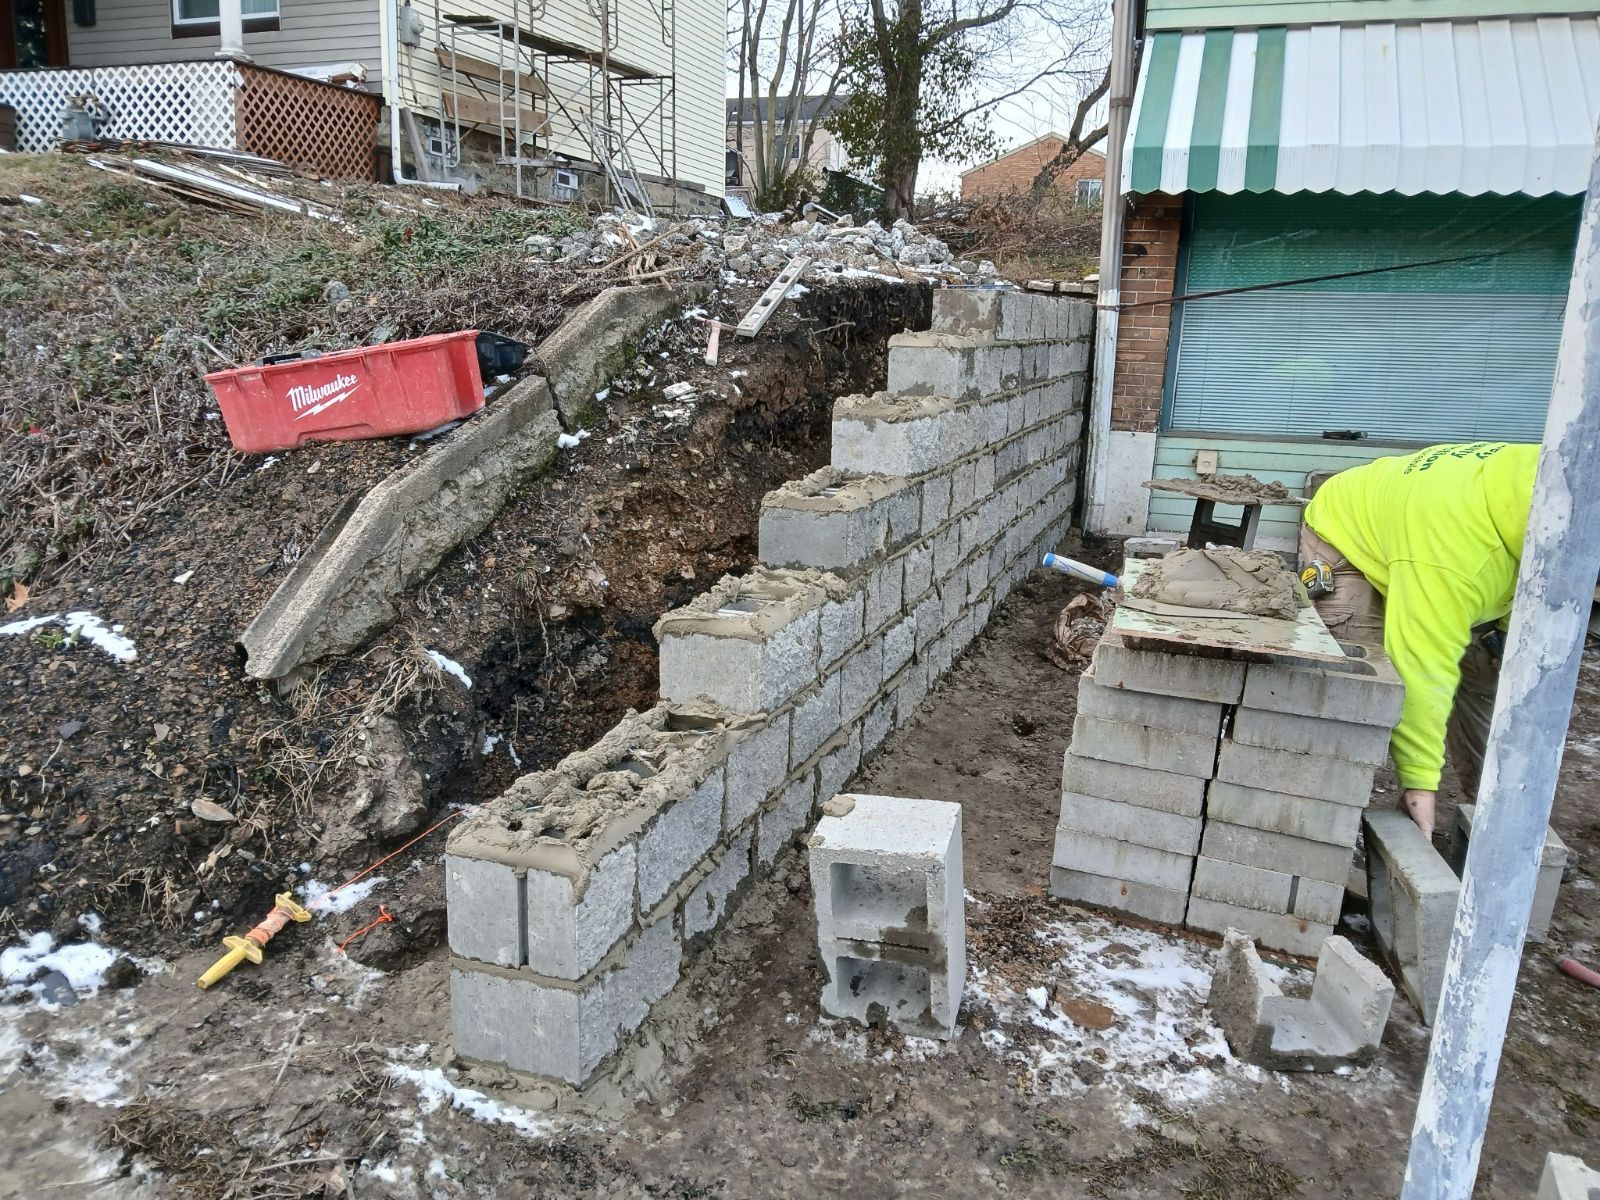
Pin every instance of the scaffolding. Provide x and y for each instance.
(554, 103)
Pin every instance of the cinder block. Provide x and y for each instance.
(899, 644)
(928, 617)
(841, 758)
(1145, 708)
(884, 593)
(681, 836)
(1333, 779)
(1161, 790)
(919, 570)
(946, 551)
(1567, 1177)
(1319, 736)
(1411, 897)
(963, 488)
(817, 718)
(1130, 823)
(1248, 887)
(1552, 864)
(757, 765)
(836, 521)
(779, 823)
(1340, 1025)
(1296, 816)
(860, 678)
(704, 908)
(1291, 934)
(573, 923)
(1289, 855)
(886, 879)
(1163, 905)
(1215, 680)
(911, 692)
(952, 365)
(935, 502)
(1316, 900)
(1144, 746)
(483, 910)
(841, 626)
(554, 1029)
(1093, 855)
(748, 644)
(879, 722)
(894, 435)
(1367, 693)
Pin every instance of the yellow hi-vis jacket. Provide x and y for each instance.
(1439, 534)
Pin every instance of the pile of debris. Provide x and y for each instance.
(766, 244)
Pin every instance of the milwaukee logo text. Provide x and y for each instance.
(309, 400)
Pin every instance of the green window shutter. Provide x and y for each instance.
(1461, 350)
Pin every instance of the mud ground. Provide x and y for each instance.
(316, 1076)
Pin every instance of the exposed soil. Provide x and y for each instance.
(549, 612)
(310, 1073)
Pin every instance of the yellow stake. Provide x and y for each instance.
(249, 946)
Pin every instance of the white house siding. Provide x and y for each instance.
(699, 72)
(310, 33)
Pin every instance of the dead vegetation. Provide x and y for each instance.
(1027, 236)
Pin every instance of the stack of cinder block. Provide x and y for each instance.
(1220, 793)
(878, 571)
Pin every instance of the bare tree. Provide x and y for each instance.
(1077, 143)
(789, 73)
(926, 80)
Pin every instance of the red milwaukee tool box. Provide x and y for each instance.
(376, 391)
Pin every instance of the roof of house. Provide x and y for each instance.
(1043, 137)
(755, 107)
(1444, 107)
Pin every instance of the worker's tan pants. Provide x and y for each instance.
(1354, 613)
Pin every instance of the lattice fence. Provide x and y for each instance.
(317, 127)
(191, 103)
(314, 126)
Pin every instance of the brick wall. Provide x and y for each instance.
(1149, 270)
(575, 896)
(1013, 173)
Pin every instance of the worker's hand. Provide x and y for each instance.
(1419, 807)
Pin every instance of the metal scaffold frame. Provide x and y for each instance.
(504, 73)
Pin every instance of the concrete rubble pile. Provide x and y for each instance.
(764, 246)
(1220, 794)
(576, 896)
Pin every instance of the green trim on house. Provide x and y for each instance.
(1213, 14)
(1149, 139)
(1205, 143)
(1266, 105)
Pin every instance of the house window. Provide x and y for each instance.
(199, 18)
(1088, 192)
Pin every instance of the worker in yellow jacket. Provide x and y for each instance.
(1425, 550)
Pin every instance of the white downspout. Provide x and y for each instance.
(390, 42)
(230, 22)
(1114, 214)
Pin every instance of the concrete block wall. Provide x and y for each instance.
(574, 897)
(1220, 793)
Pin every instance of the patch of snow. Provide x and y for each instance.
(27, 199)
(490, 741)
(1356, 921)
(1039, 996)
(796, 291)
(435, 1090)
(267, 462)
(90, 921)
(451, 667)
(602, 394)
(84, 964)
(322, 898)
(81, 625)
(570, 441)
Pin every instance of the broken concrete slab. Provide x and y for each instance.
(886, 880)
(1411, 897)
(347, 587)
(1552, 864)
(1340, 1025)
(595, 343)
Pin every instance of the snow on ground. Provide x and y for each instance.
(1147, 988)
(451, 667)
(326, 901)
(435, 1090)
(82, 626)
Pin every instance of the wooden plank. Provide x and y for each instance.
(1306, 637)
(475, 110)
(479, 68)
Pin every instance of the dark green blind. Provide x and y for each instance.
(1461, 350)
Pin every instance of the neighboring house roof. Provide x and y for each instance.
(1465, 107)
(1043, 137)
(755, 108)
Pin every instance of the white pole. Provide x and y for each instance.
(1113, 213)
(230, 17)
(1554, 592)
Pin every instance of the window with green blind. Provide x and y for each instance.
(1456, 351)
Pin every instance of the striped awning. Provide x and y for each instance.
(1498, 106)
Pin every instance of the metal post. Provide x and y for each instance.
(1113, 213)
(1554, 592)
